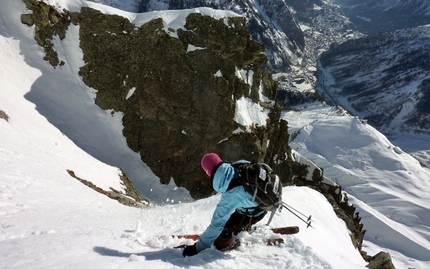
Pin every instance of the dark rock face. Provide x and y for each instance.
(295, 32)
(178, 103)
(382, 260)
(179, 109)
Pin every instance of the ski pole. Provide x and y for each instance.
(309, 217)
(308, 222)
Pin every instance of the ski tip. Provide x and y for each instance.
(286, 230)
(295, 229)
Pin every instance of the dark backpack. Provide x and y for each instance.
(262, 183)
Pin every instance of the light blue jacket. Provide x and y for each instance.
(236, 198)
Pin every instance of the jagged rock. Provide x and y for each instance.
(27, 19)
(49, 22)
(261, 28)
(51, 55)
(295, 32)
(3, 115)
(382, 260)
(130, 198)
(130, 189)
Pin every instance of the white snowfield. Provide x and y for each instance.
(50, 220)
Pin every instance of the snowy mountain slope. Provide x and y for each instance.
(373, 76)
(384, 79)
(389, 187)
(66, 102)
(50, 220)
(372, 16)
(22, 115)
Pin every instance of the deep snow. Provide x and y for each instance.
(50, 220)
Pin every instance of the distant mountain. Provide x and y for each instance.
(375, 16)
(384, 78)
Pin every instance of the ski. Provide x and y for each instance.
(286, 230)
(237, 243)
(280, 230)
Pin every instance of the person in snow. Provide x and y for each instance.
(235, 211)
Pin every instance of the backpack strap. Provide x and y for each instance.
(236, 181)
(214, 171)
(243, 178)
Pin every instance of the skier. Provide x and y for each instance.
(235, 211)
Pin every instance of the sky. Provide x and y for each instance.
(50, 220)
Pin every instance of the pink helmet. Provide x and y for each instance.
(209, 162)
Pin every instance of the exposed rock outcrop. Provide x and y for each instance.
(128, 196)
(49, 22)
(3, 115)
(177, 89)
(284, 42)
(179, 108)
(382, 260)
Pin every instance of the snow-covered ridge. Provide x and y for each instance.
(388, 186)
(173, 19)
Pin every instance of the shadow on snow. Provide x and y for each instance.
(169, 255)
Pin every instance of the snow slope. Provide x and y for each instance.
(389, 187)
(50, 220)
(66, 102)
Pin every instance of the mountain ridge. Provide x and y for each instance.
(383, 78)
(373, 17)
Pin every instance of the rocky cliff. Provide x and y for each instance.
(284, 43)
(178, 89)
(295, 32)
(180, 108)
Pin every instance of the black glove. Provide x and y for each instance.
(190, 250)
